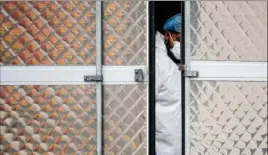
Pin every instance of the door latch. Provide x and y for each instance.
(93, 78)
(191, 74)
(138, 75)
(188, 73)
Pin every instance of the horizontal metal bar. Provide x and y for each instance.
(67, 75)
(230, 70)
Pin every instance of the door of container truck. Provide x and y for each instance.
(50, 50)
(73, 77)
(226, 105)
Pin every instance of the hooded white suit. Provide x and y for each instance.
(168, 101)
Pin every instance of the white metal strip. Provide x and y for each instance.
(66, 75)
(99, 45)
(147, 85)
(187, 37)
(230, 70)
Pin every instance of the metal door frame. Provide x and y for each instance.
(151, 82)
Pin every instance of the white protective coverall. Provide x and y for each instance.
(168, 101)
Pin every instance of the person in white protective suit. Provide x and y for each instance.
(168, 89)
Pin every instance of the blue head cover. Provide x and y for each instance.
(173, 23)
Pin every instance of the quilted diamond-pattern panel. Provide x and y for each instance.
(229, 30)
(125, 32)
(48, 119)
(125, 119)
(47, 33)
(228, 118)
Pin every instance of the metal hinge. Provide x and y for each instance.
(138, 75)
(191, 74)
(93, 78)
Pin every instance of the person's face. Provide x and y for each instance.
(174, 36)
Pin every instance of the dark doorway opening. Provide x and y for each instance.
(159, 12)
(165, 10)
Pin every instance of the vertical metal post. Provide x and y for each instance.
(151, 78)
(183, 82)
(99, 45)
(187, 39)
(148, 85)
